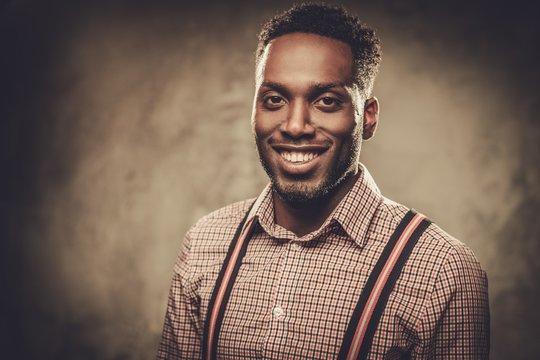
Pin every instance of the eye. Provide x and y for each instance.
(327, 103)
(273, 102)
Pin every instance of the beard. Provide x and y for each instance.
(299, 192)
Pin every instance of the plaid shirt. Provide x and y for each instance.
(293, 296)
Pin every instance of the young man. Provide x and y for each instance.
(321, 265)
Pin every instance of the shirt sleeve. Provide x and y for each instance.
(181, 338)
(455, 323)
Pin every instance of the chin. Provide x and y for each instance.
(307, 189)
(305, 193)
(299, 192)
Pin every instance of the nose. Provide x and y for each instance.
(298, 122)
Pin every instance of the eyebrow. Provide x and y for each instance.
(314, 88)
(328, 86)
(275, 86)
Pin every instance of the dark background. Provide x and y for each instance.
(123, 122)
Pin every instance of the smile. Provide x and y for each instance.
(298, 156)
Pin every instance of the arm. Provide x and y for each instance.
(181, 336)
(455, 323)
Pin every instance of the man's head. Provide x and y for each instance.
(315, 70)
(335, 23)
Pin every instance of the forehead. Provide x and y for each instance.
(306, 57)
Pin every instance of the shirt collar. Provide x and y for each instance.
(354, 213)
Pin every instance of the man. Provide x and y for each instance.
(321, 265)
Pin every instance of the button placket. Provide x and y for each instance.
(278, 312)
(296, 246)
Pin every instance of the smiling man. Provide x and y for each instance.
(321, 265)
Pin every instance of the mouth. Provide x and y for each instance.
(299, 159)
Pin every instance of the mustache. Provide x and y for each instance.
(299, 142)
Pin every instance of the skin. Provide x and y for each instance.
(307, 102)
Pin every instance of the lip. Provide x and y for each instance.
(301, 148)
(299, 168)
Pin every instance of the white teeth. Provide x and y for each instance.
(297, 156)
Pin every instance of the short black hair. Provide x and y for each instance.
(333, 22)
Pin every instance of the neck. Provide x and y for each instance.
(302, 219)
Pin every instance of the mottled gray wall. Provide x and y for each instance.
(124, 122)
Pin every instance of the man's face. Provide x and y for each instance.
(307, 115)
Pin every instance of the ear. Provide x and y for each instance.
(371, 117)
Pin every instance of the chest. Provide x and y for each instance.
(293, 299)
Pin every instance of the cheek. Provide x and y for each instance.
(340, 126)
(264, 123)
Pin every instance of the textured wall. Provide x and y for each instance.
(123, 123)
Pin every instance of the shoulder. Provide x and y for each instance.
(230, 215)
(436, 255)
(439, 264)
(435, 244)
(210, 236)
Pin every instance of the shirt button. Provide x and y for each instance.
(278, 311)
(296, 246)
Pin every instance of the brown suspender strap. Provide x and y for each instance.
(367, 314)
(223, 287)
(368, 311)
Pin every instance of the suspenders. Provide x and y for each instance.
(224, 284)
(370, 306)
(381, 281)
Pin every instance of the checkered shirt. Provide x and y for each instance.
(293, 296)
